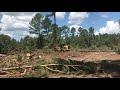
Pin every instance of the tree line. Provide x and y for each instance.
(50, 33)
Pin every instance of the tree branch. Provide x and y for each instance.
(54, 70)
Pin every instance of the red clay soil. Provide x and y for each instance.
(87, 56)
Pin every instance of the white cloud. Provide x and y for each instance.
(17, 13)
(96, 33)
(16, 23)
(76, 28)
(17, 35)
(20, 25)
(77, 17)
(15, 20)
(6, 33)
(24, 18)
(110, 28)
(60, 15)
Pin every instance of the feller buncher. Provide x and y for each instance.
(61, 47)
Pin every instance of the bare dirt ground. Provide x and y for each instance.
(113, 57)
(86, 56)
(79, 56)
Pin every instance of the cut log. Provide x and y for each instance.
(54, 70)
(13, 68)
(28, 54)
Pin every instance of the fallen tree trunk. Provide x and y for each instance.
(12, 68)
(54, 70)
(25, 69)
(8, 76)
(46, 65)
(59, 65)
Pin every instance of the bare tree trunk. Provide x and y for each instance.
(54, 34)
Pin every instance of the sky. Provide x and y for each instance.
(15, 24)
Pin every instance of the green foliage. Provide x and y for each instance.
(113, 47)
(93, 47)
(73, 31)
(40, 72)
(77, 48)
(52, 33)
(28, 43)
(85, 40)
(103, 47)
(7, 44)
(47, 51)
(82, 68)
(118, 49)
(19, 58)
(36, 25)
(46, 24)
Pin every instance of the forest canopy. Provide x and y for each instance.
(49, 33)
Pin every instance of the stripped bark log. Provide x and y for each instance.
(10, 76)
(25, 69)
(12, 68)
(7, 74)
(54, 70)
(59, 65)
(46, 65)
(4, 72)
(24, 72)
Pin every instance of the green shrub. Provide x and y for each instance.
(104, 48)
(118, 49)
(19, 58)
(46, 50)
(74, 48)
(93, 47)
(114, 47)
(40, 71)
